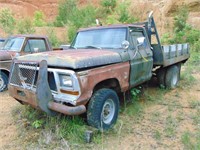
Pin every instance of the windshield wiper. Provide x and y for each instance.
(90, 46)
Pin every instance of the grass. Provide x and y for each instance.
(190, 67)
(155, 116)
(71, 129)
(170, 126)
(191, 141)
(41, 131)
(194, 104)
(196, 117)
(157, 135)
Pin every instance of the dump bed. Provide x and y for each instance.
(170, 54)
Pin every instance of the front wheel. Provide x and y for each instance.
(103, 109)
(3, 81)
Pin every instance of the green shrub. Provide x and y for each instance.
(183, 32)
(7, 21)
(66, 10)
(108, 5)
(52, 37)
(196, 46)
(81, 18)
(38, 20)
(112, 19)
(135, 92)
(180, 19)
(124, 14)
(165, 39)
(84, 17)
(25, 26)
(69, 14)
(72, 32)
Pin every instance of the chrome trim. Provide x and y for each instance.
(5, 61)
(58, 96)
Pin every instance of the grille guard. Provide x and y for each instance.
(41, 97)
(43, 91)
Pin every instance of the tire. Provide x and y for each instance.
(3, 81)
(161, 77)
(172, 77)
(103, 109)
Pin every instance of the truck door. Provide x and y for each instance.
(141, 57)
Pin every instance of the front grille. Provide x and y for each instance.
(24, 74)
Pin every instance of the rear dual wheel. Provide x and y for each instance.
(161, 77)
(172, 77)
(169, 77)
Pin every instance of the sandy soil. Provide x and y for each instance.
(8, 131)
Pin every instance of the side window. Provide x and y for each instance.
(35, 45)
(139, 39)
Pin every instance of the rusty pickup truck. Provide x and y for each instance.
(19, 45)
(102, 63)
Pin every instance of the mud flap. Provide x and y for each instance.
(43, 91)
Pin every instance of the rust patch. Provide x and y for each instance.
(67, 110)
(24, 95)
(119, 71)
(76, 59)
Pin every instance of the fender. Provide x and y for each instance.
(90, 78)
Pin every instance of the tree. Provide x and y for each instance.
(7, 21)
(25, 26)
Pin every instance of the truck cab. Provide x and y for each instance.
(129, 41)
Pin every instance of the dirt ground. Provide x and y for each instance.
(161, 126)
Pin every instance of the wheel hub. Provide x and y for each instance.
(175, 79)
(1, 83)
(108, 111)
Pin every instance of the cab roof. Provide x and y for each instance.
(113, 26)
(29, 36)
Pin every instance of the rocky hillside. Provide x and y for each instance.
(26, 8)
(164, 10)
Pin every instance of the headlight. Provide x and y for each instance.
(65, 80)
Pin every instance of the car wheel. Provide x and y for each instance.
(103, 109)
(3, 81)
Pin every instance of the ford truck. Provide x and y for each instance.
(102, 63)
(16, 46)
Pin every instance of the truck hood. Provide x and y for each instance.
(76, 59)
(7, 55)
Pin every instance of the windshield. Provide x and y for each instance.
(13, 44)
(102, 38)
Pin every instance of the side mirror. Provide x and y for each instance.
(17, 55)
(36, 50)
(125, 44)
